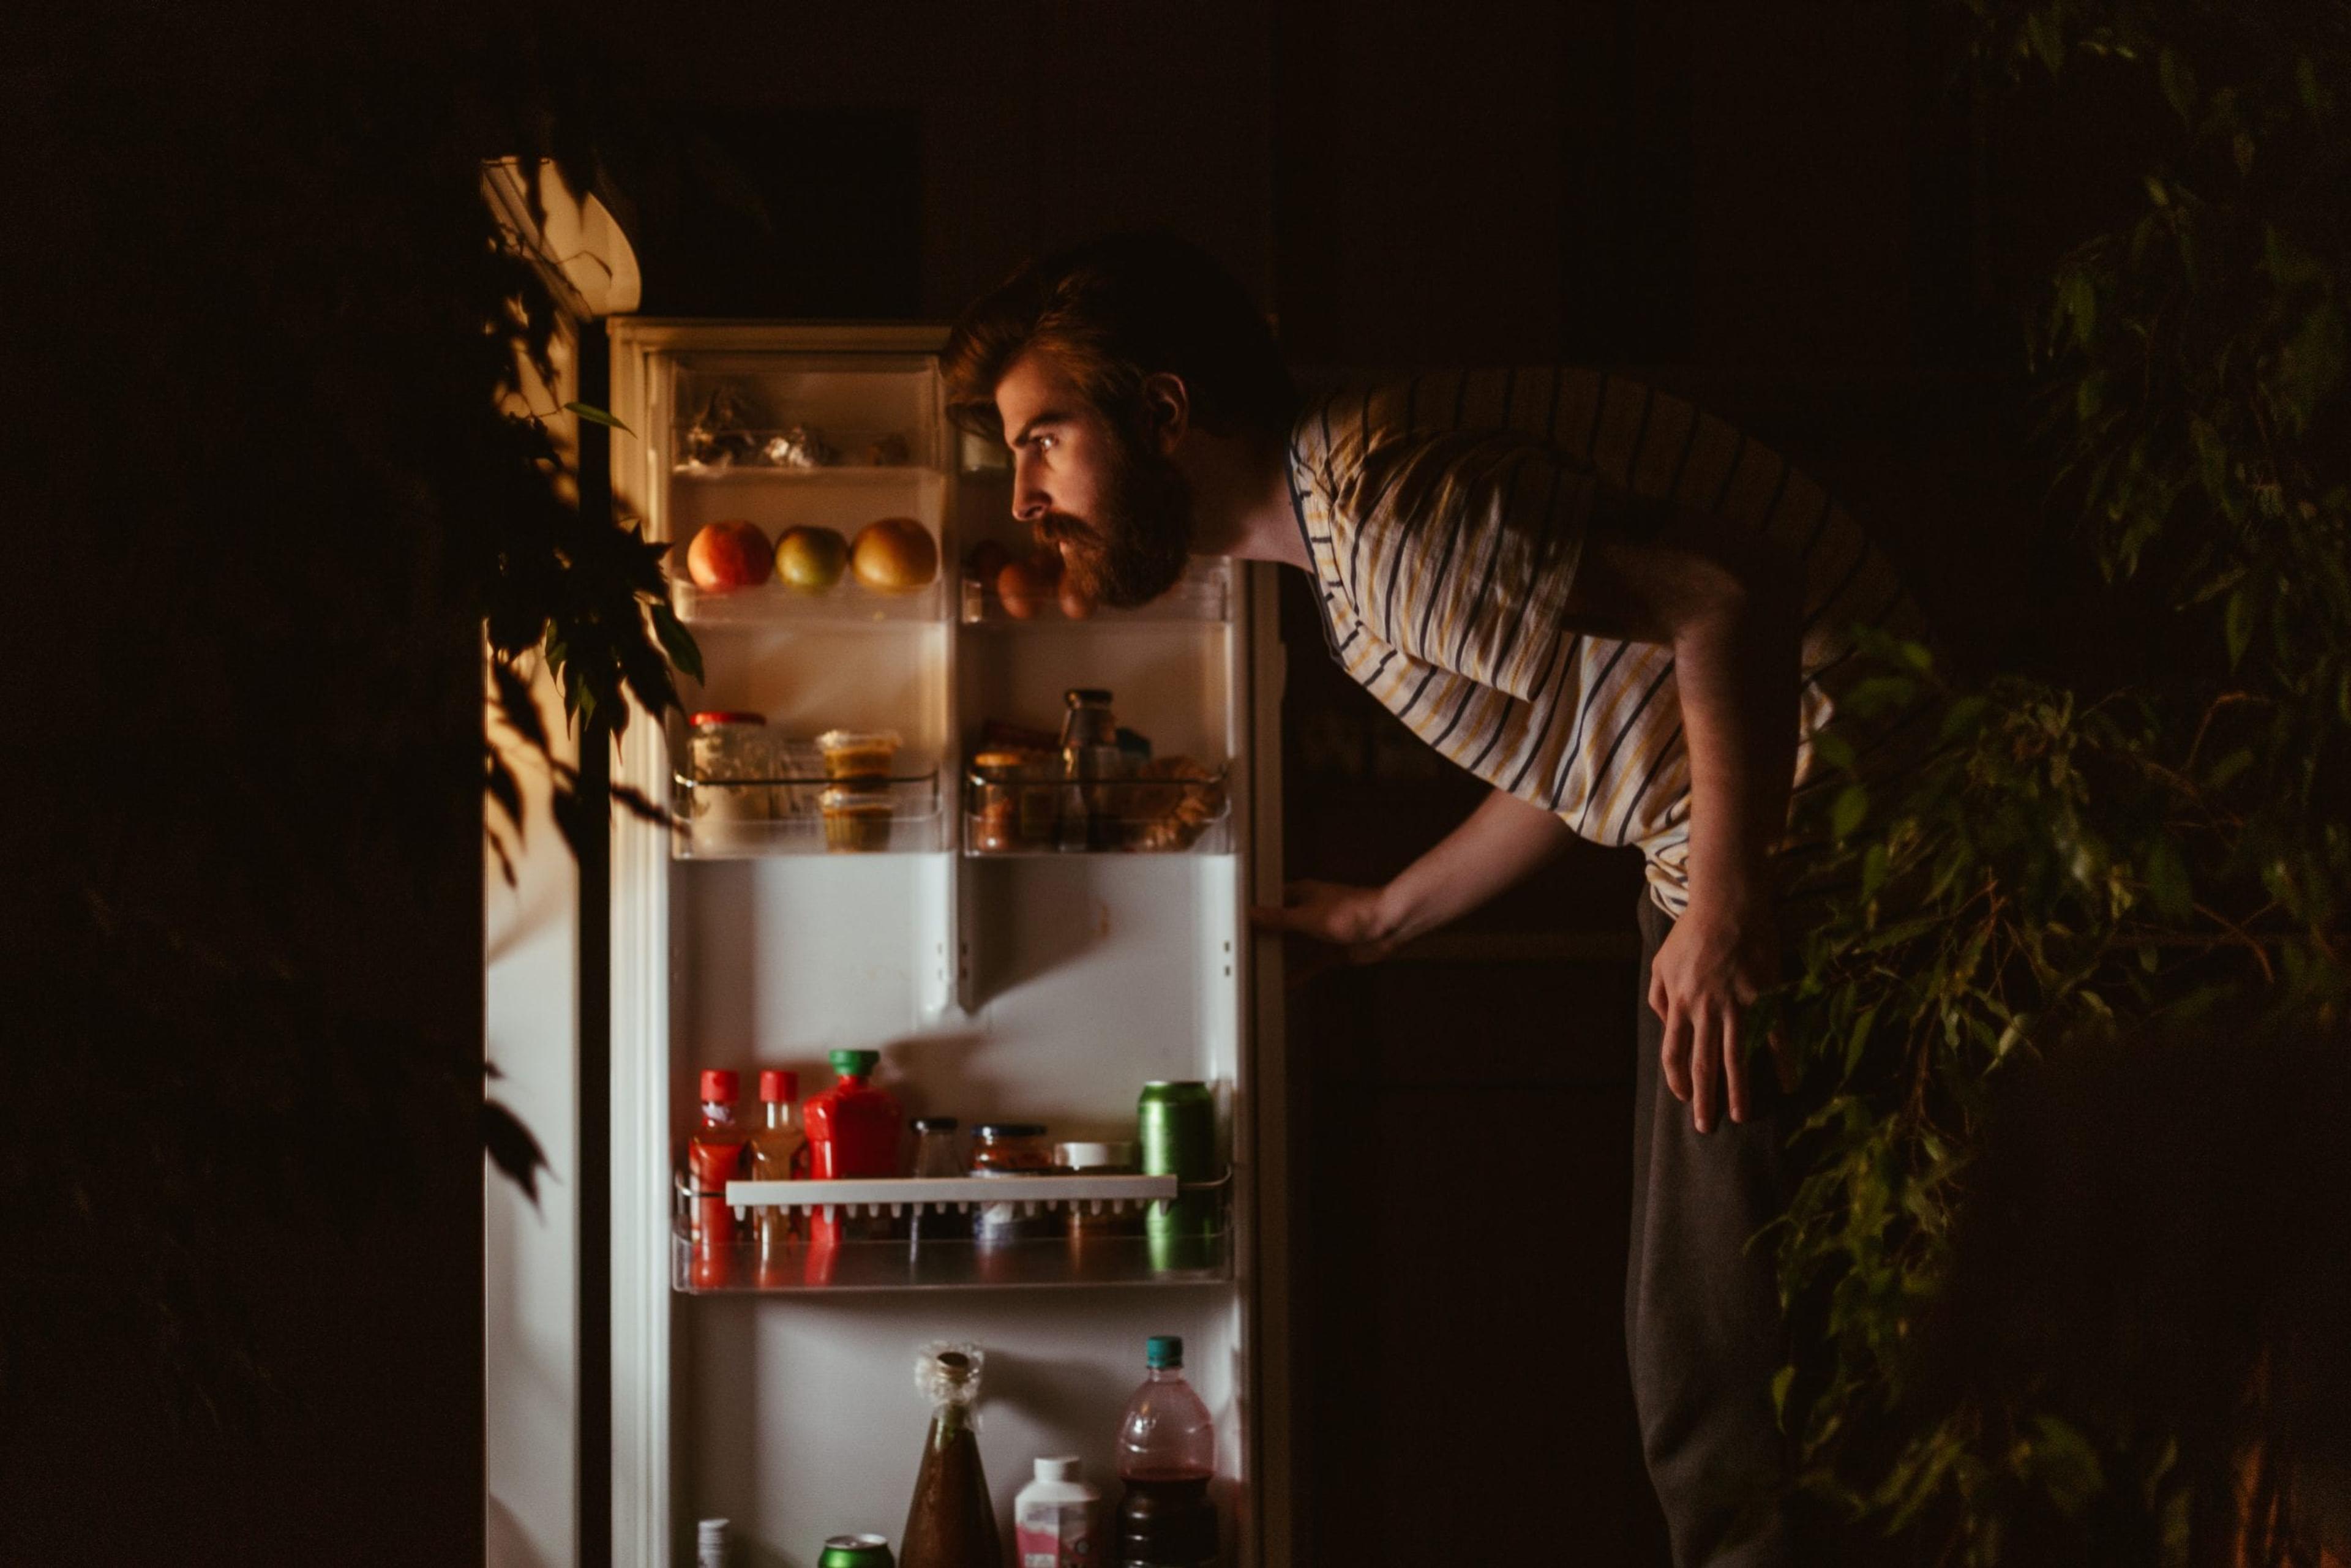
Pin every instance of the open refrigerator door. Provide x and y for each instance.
(1005, 848)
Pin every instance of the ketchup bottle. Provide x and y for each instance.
(714, 1157)
(852, 1132)
(852, 1127)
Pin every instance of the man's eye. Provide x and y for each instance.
(1045, 442)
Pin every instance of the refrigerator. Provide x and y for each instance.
(1007, 967)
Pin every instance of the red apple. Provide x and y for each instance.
(727, 555)
(1023, 589)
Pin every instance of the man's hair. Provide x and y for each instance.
(1112, 312)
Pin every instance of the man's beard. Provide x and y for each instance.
(1136, 546)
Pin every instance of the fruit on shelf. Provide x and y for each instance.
(728, 555)
(1029, 583)
(810, 558)
(985, 561)
(895, 555)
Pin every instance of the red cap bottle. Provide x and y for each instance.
(777, 1085)
(719, 1086)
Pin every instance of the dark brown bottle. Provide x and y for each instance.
(951, 1522)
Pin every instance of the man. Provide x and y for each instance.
(1625, 615)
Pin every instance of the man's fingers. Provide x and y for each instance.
(1734, 1070)
(1706, 1064)
(1673, 1053)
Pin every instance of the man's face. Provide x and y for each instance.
(1113, 504)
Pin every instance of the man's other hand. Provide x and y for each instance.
(1712, 964)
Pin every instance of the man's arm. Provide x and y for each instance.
(1730, 604)
(1497, 845)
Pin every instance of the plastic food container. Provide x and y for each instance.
(858, 754)
(856, 820)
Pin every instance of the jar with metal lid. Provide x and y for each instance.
(1010, 809)
(725, 751)
(1011, 1150)
(1088, 1222)
(1089, 753)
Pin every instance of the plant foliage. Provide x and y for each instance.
(2078, 866)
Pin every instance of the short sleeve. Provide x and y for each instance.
(1464, 547)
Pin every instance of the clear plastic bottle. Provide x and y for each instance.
(777, 1146)
(1166, 1456)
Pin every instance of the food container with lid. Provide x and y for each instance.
(856, 819)
(858, 754)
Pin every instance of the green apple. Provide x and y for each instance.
(810, 558)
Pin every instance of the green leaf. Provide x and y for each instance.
(2048, 43)
(2167, 881)
(2237, 624)
(2179, 84)
(595, 415)
(2065, 1463)
(1851, 805)
(2155, 191)
(675, 640)
(1781, 1381)
(2224, 772)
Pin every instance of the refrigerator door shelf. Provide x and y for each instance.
(803, 1263)
(846, 603)
(1201, 598)
(738, 819)
(1124, 816)
(895, 1192)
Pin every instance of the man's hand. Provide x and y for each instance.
(1713, 963)
(1353, 922)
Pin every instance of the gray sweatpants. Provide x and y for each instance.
(1702, 1324)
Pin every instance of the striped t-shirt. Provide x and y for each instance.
(1444, 517)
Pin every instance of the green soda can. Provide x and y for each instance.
(856, 1552)
(1177, 1122)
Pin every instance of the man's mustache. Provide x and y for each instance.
(1055, 528)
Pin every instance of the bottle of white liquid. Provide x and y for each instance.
(1057, 1518)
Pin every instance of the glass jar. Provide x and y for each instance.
(1008, 813)
(725, 752)
(1011, 1150)
(1086, 1222)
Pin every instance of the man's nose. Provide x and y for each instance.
(1028, 502)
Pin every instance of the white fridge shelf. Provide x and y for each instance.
(747, 819)
(1201, 598)
(771, 604)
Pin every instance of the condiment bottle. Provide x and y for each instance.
(1057, 1518)
(714, 1157)
(777, 1153)
(1166, 1456)
(852, 1127)
(852, 1133)
(950, 1523)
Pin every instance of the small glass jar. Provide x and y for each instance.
(1085, 1223)
(856, 820)
(724, 751)
(998, 803)
(1011, 1150)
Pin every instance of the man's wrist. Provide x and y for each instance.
(1392, 912)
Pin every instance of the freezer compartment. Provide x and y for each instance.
(1202, 596)
(734, 818)
(812, 415)
(1176, 807)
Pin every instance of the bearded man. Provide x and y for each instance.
(1628, 618)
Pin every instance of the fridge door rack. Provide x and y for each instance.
(1031, 815)
(848, 602)
(739, 819)
(1202, 597)
(896, 1194)
(787, 452)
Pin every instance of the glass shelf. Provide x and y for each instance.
(784, 452)
(800, 1263)
(1201, 597)
(740, 818)
(771, 604)
(1047, 815)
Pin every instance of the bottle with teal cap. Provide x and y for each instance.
(1166, 1457)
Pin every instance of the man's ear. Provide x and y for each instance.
(1166, 410)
